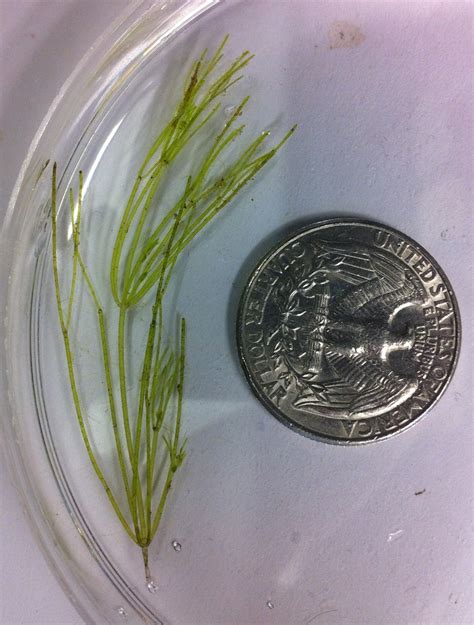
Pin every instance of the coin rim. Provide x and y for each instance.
(278, 414)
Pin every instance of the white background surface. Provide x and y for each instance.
(41, 41)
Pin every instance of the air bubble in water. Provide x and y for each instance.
(122, 612)
(176, 545)
(152, 587)
(270, 605)
(394, 536)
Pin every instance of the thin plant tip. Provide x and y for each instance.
(285, 138)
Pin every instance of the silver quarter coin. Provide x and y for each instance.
(348, 331)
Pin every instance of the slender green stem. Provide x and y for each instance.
(161, 504)
(127, 218)
(108, 372)
(180, 387)
(176, 455)
(168, 377)
(237, 178)
(70, 366)
(149, 274)
(146, 369)
(139, 227)
(136, 500)
(123, 379)
(76, 226)
(78, 261)
(157, 244)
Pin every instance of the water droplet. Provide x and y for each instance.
(270, 605)
(122, 612)
(229, 110)
(394, 536)
(176, 545)
(152, 587)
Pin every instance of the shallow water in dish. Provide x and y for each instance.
(263, 512)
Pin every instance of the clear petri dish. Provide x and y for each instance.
(262, 525)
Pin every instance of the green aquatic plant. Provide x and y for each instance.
(148, 440)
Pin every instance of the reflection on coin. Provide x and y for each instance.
(348, 331)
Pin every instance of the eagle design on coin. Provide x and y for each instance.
(335, 327)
